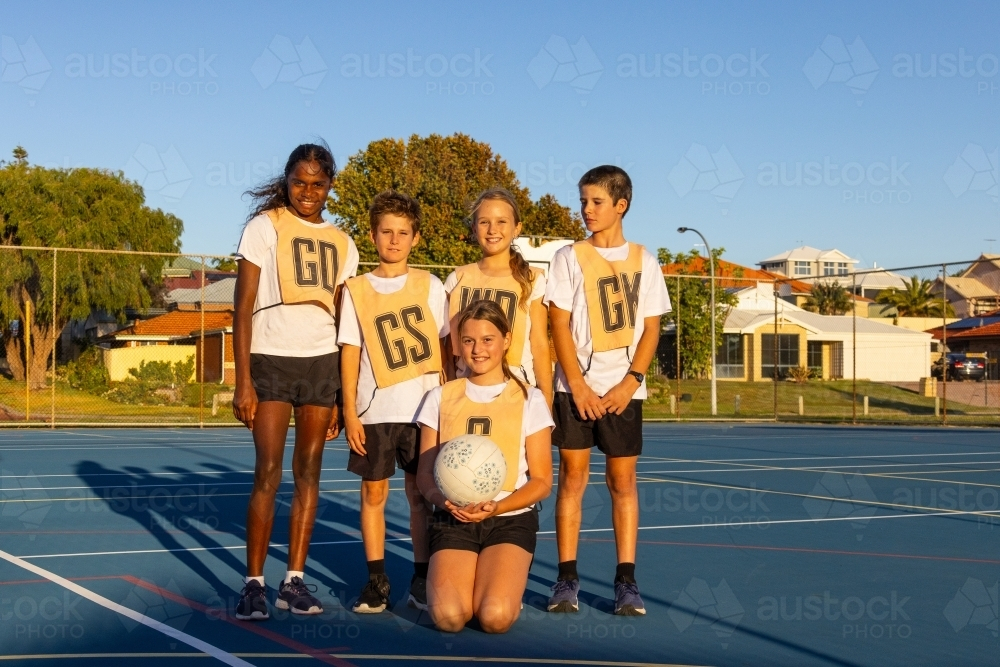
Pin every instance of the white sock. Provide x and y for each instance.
(293, 573)
(259, 580)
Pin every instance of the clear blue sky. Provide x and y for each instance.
(197, 92)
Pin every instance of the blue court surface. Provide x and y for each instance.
(760, 544)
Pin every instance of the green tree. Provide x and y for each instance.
(828, 298)
(225, 263)
(690, 299)
(445, 174)
(915, 300)
(73, 208)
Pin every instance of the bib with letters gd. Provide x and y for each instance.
(612, 292)
(499, 420)
(399, 329)
(474, 285)
(309, 259)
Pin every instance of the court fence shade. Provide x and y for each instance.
(131, 338)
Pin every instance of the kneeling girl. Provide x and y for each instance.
(481, 553)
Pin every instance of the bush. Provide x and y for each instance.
(88, 373)
(154, 383)
(799, 374)
(192, 394)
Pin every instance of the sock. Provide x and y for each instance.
(293, 573)
(376, 567)
(259, 580)
(567, 570)
(625, 572)
(420, 570)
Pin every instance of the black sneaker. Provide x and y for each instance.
(374, 596)
(253, 603)
(297, 596)
(418, 593)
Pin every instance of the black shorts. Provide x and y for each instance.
(296, 380)
(447, 532)
(615, 435)
(388, 446)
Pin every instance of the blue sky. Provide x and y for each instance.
(713, 108)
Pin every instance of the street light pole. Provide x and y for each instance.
(711, 269)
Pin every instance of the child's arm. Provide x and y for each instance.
(244, 398)
(588, 404)
(540, 349)
(617, 398)
(538, 451)
(350, 369)
(429, 448)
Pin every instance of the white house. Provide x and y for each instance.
(807, 262)
(540, 256)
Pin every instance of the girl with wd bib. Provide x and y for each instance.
(502, 276)
(481, 553)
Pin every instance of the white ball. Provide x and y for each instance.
(470, 469)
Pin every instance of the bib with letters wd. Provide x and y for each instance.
(309, 259)
(474, 285)
(398, 328)
(612, 292)
(499, 420)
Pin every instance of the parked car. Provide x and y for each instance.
(961, 367)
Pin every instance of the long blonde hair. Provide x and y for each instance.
(489, 311)
(519, 268)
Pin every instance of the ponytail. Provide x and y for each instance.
(519, 268)
(491, 312)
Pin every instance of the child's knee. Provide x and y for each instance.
(449, 618)
(374, 494)
(623, 485)
(496, 617)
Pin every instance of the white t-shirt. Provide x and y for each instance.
(535, 417)
(526, 371)
(299, 330)
(398, 403)
(565, 290)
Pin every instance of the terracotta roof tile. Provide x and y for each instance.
(177, 323)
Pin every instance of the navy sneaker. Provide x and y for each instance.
(627, 600)
(297, 596)
(564, 596)
(418, 593)
(253, 603)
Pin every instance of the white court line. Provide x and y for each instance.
(729, 524)
(206, 483)
(819, 458)
(173, 633)
(162, 474)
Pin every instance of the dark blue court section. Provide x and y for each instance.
(760, 544)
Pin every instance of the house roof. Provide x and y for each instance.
(881, 279)
(176, 323)
(748, 320)
(987, 331)
(221, 291)
(967, 288)
(963, 325)
(742, 275)
(987, 257)
(809, 253)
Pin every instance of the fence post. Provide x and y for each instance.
(944, 344)
(55, 333)
(774, 355)
(677, 346)
(866, 406)
(201, 351)
(854, 348)
(27, 360)
(802, 406)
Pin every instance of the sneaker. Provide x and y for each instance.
(374, 596)
(418, 593)
(253, 603)
(564, 598)
(627, 600)
(297, 596)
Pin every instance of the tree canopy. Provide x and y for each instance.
(73, 208)
(828, 298)
(445, 174)
(915, 300)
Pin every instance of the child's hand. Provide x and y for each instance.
(333, 430)
(477, 512)
(456, 511)
(245, 404)
(355, 432)
(588, 404)
(618, 397)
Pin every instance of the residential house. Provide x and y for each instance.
(810, 263)
(984, 339)
(974, 291)
(217, 296)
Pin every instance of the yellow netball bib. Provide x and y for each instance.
(499, 420)
(474, 285)
(399, 329)
(310, 258)
(612, 292)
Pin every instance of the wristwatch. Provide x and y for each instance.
(637, 375)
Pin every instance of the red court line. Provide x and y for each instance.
(834, 552)
(245, 625)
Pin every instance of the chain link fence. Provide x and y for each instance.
(128, 338)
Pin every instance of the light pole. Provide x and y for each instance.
(711, 268)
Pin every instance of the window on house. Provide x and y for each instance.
(829, 268)
(814, 356)
(802, 268)
(729, 358)
(842, 268)
(788, 354)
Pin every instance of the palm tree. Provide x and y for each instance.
(828, 299)
(915, 300)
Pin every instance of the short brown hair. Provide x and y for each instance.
(391, 202)
(613, 179)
